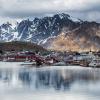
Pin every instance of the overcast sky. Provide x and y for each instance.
(21, 9)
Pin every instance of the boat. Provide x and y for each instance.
(59, 64)
(95, 63)
(27, 63)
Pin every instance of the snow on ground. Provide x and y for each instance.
(18, 65)
(10, 64)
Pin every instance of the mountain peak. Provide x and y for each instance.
(49, 29)
(63, 15)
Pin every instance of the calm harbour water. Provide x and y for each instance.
(48, 83)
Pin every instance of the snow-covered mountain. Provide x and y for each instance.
(36, 30)
(47, 31)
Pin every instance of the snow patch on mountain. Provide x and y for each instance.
(44, 30)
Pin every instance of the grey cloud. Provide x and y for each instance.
(31, 8)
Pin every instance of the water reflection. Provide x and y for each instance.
(58, 79)
(46, 79)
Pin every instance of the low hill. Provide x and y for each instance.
(20, 46)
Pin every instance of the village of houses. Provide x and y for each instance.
(84, 59)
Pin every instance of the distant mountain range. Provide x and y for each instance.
(59, 32)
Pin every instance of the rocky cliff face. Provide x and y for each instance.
(59, 32)
(85, 37)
